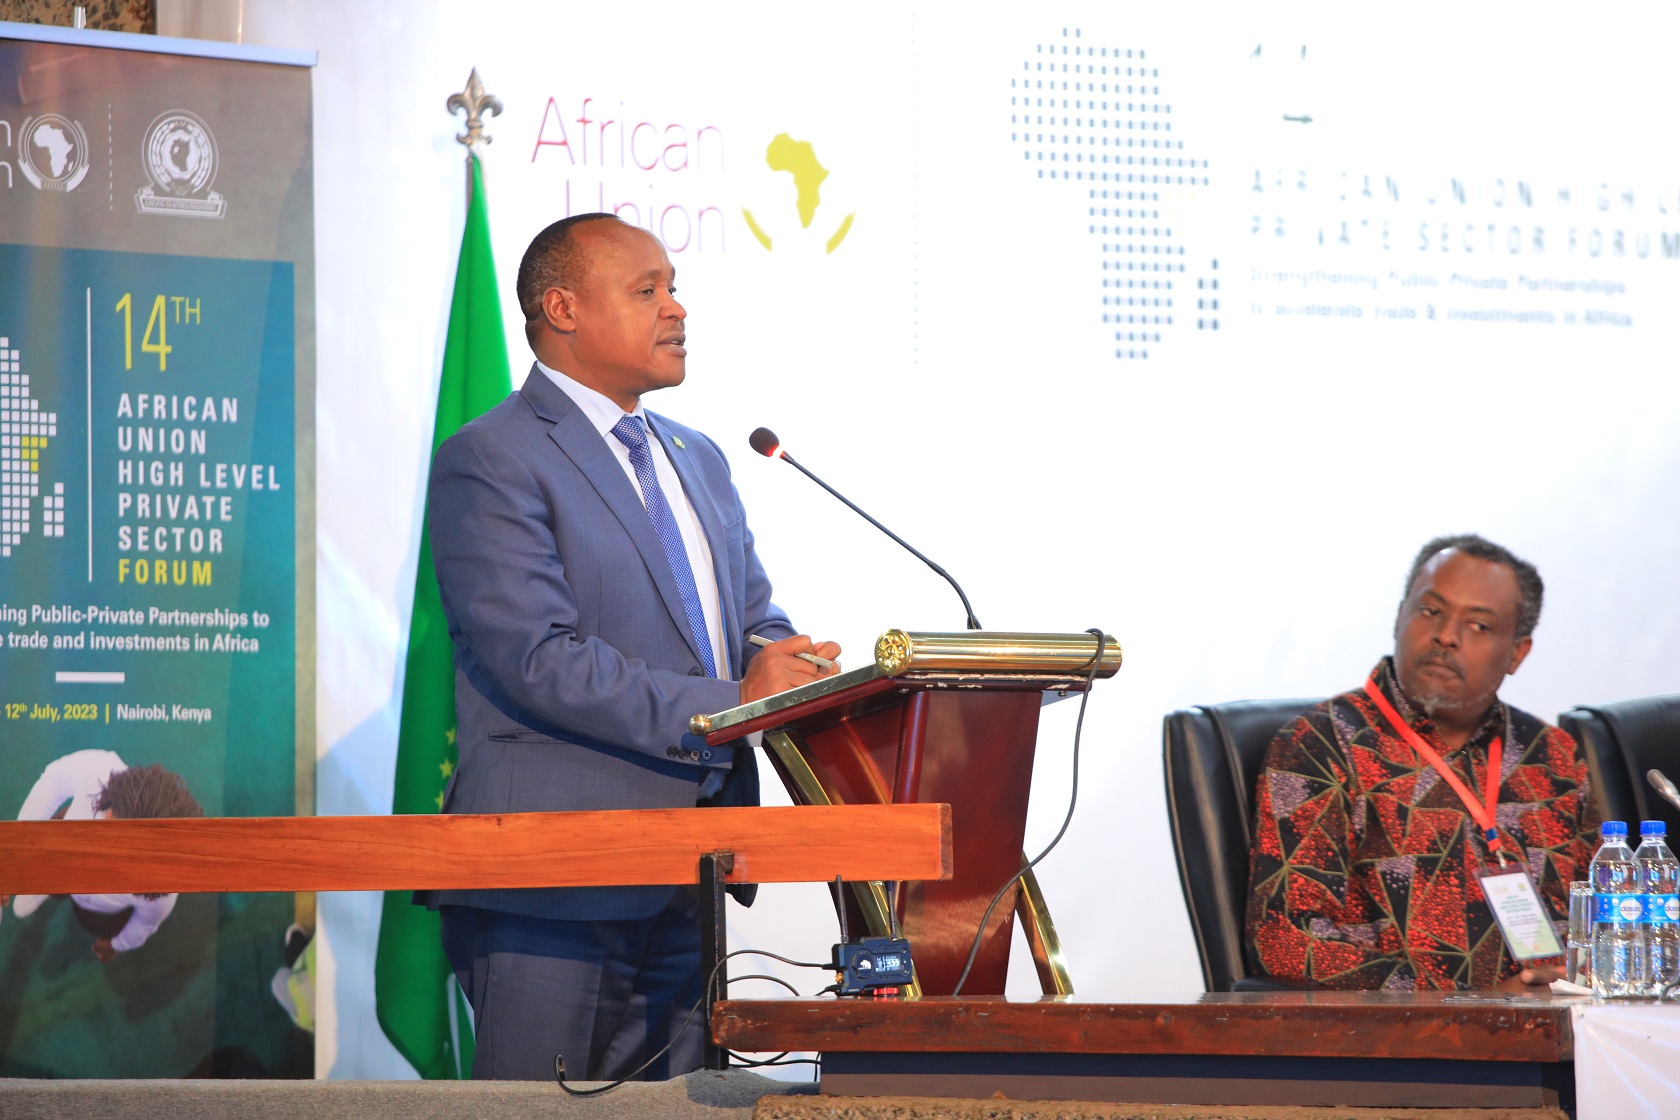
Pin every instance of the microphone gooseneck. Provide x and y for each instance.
(1659, 782)
(764, 441)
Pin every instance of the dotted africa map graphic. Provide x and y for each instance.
(1095, 114)
(24, 433)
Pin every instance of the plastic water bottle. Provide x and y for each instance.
(1659, 876)
(1618, 905)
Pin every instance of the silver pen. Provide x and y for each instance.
(822, 663)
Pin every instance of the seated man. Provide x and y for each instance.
(1365, 861)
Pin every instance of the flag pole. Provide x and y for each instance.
(476, 104)
(419, 1005)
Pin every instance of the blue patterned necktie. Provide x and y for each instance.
(632, 435)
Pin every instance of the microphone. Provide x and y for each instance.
(1659, 782)
(764, 441)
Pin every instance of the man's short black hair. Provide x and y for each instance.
(1530, 589)
(551, 260)
(146, 792)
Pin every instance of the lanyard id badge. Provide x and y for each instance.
(1510, 893)
(1521, 914)
(1483, 815)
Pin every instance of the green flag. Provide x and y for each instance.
(420, 1006)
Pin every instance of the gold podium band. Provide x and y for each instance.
(899, 651)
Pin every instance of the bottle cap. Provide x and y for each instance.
(1653, 828)
(1613, 828)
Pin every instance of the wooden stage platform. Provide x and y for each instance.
(1270, 1056)
(1361, 1049)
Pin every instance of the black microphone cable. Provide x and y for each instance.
(1073, 799)
(710, 985)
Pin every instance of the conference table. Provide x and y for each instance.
(1300, 1048)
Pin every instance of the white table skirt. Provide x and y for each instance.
(1627, 1061)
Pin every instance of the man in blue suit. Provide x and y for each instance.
(601, 584)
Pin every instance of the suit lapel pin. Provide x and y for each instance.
(678, 441)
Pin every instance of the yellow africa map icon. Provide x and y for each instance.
(798, 158)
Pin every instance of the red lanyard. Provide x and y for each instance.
(1482, 814)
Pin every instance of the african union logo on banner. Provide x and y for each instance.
(179, 154)
(53, 152)
(798, 160)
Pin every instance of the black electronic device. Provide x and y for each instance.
(868, 966)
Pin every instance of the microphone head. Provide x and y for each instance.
(764, 442)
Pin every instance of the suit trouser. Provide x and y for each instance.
(606, 995)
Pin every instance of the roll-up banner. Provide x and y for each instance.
(156, 530)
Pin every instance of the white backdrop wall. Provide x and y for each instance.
(1444, 303)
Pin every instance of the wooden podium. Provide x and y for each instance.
(936, 718)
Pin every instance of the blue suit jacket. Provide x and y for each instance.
(576, 671)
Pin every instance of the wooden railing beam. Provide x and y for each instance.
(460, 851)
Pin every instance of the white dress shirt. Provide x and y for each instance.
(603, 413)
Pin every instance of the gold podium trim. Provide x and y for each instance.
(993, 651)
(1042, 940)
(1055, 661)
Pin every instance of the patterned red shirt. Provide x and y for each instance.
(1365, 862)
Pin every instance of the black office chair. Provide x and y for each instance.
(1622, 741)
(1213, 756)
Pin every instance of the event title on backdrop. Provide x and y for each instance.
(1320, 243)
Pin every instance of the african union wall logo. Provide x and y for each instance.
(52, 152)
(179, 153)
(798, 159)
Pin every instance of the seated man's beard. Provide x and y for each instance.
(1432, 702)
(1435, 702)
